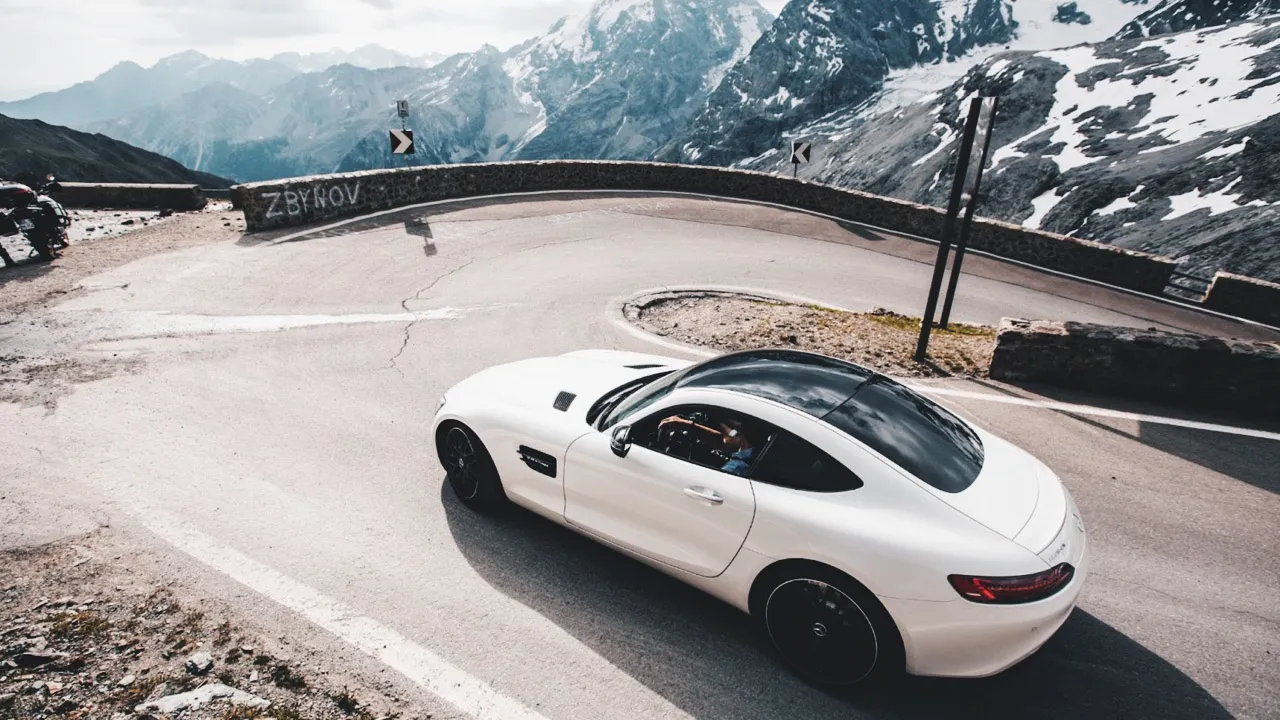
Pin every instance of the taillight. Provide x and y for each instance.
(1013, 589)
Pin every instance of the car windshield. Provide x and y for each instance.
(640, 399)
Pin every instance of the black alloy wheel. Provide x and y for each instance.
(823, 633)
(469, 469)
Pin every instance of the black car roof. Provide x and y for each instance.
(917, 434)
(815, 384)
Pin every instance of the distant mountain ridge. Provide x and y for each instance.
(616, 81)
(36, 147)
(128, 87)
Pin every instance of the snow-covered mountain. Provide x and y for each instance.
(1168, 144)
(621, 79)
(369, 57)
(129, 87)
(614, 82)
(824, 57)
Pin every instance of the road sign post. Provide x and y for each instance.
(983, 139)
(800, 155)
(402, 139)
(949, 227)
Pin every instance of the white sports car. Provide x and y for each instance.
(867, 530)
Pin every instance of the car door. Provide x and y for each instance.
(690, 515)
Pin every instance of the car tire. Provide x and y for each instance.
(469, 469)
(827, 627)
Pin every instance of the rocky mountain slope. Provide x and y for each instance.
(826, 57)
(32, 146)
(1178, 15)
(1168, 144)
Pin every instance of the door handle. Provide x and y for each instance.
(701, 493)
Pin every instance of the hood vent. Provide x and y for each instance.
(564, 400)
(645, 367)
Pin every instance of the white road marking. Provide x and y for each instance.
(148, 324)
(614, 314)
(428, 670)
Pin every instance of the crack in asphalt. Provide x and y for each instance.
(408, 330)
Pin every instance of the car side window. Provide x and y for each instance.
(792, 462)
(712, 437)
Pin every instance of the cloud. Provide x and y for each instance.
(528, 17)
(229, 20)
(379, 4)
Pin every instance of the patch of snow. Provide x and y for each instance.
(607, 13)
(951, 13)
(1037, 29)
(948, 136)
(1120, 203)
(750, 26)
(1043, 203)
(816, 9)
(1176, 114)
(1217, 202)
(1226, 150)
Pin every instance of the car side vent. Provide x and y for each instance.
(538, 461)
(564, 400)
(645, 367)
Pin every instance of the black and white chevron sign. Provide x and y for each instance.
(402, 142)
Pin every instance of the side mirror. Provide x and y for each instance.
(620, 441)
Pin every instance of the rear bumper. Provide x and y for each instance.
(959, 638)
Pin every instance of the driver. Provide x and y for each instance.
(735, 442)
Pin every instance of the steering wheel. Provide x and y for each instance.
(676, 440)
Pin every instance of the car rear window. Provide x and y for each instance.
(794, 463)
(919, 435)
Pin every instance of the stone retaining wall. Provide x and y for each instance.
(131, 196)
(301, 201)
(1175, 368)
(1244, 297)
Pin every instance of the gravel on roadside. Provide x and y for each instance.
(32, 283)
(881, 340)
(86, 634)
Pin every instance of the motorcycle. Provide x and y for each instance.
(41, 220)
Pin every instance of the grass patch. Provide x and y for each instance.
(284, 676)
(912, 324)
(78, 626)
(345, 701)
(187, 629)
(222, 633)
(139, 690)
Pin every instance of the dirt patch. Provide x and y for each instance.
(881, 340)
(32, 284)
(41, 381)
(85, 635)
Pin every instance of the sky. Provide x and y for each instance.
(52, 44)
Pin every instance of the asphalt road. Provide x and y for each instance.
(263, 426)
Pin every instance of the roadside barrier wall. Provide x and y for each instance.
(1170, 367)
(307, 200)
(131, 196)
(1244, 297)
